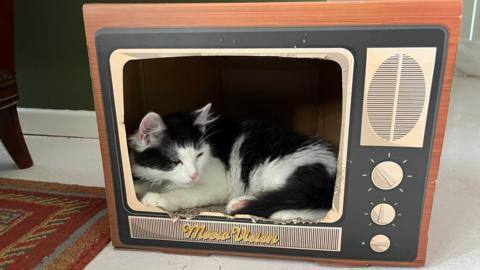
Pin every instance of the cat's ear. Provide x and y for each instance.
(204, 117)
(150, 128)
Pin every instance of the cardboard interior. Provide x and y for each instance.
(303, 94)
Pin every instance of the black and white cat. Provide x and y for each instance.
(255, 168)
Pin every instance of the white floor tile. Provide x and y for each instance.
(58, 159)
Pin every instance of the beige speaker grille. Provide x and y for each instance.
(397, 88)
(399, 77)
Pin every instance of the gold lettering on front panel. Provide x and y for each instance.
(237, 234)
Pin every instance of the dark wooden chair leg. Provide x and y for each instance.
(12, 137)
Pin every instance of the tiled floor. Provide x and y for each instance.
(455, 226)
(58, 159)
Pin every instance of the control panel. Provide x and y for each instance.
(391, 182)
(396, 102)
(386, 175)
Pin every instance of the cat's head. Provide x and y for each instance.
(171, 147)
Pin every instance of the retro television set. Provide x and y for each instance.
(370, 77)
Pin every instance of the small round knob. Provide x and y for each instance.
(387, 175)
(380, 243)
(382, 214)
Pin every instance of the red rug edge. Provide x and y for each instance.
(93, 252)
(53, 186)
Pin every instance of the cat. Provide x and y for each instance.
(253, 167)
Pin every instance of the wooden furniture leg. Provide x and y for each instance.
(10, 131)
(12, 137)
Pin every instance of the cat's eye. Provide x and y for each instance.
(178, 162)
(199, 155)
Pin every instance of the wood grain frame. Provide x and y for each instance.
(298, 14)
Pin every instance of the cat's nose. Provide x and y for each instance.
(194, 176)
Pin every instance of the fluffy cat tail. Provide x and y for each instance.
(307, 192)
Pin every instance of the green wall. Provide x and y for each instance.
(51, 55)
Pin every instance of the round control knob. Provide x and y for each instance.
(382, 214)
(387, 175)
(380, 243)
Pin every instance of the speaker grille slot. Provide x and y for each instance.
(294, 237)
(396, 97)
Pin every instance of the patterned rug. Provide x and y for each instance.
(49, 225)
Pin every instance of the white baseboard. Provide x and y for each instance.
(65, 123)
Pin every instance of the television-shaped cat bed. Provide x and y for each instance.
(361, 85)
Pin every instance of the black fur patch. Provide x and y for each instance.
(221, 136)
(180, 128)
(265, 141)
(309, 187)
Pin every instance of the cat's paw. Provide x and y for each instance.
(157, 200)
(237, 204)
(283, 215)
(305, 214)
